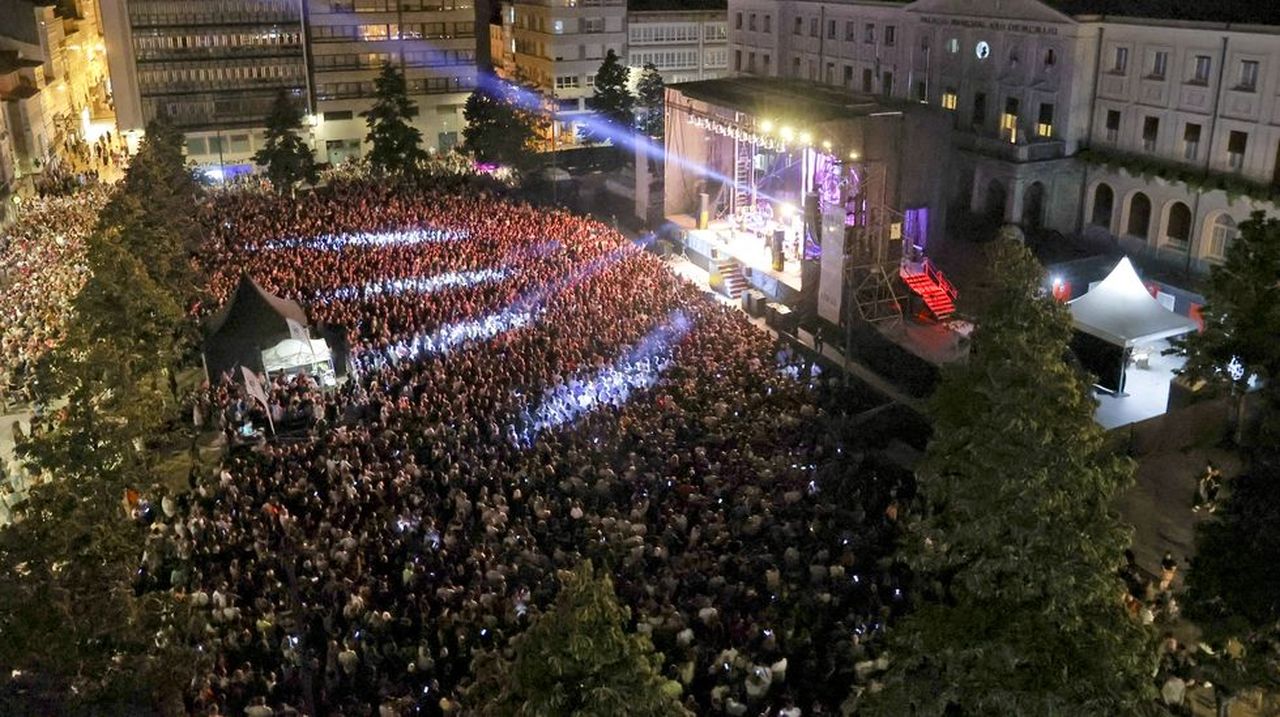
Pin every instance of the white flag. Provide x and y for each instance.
(298, 331)
(254, 386)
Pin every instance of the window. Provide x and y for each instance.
(1236, 144)
(1044, 126)
(1224, 232)
(1120, 61)
(1009, 120)
(953, 45)
(949, 99)
(848, 76)
(799, 26)
(866, 80)
(831, 29)
(795, 67)
(751, 22)
(921, 91)
(1050, 57)
(768, 23)
(979, 114)
(737, 61)
(1113, 125)
(850, 31)
(1248, 80)
(869, 34)
(830, 77)
(1200, 75)
(886, 84)
(1139, 216)
(813, 27)
(767, 65)
(751, 62)
(1103, 200)
(1150, 132)
(1191, 141)
(567, 82)
(1159, 65)
(737, 21)
(890, 35)
(1178, 232)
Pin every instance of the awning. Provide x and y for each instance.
(292, 353)
(1120, 311)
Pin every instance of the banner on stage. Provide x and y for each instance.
(831, 265)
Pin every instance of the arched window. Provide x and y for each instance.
(1139, 216)
(1050, 57)
(1221, 234)
(1104, 199)
(996, 200)
(1178, 232)
(1033, 206)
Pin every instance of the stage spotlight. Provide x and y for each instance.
(786, 211)
(853, 155)
(806, 138)
(766, 126)
(826, 144)
(788, 134)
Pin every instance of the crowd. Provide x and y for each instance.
(42, 267)
(578, 402)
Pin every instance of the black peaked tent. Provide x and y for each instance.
(251, 321)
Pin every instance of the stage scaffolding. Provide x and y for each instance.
(873, 254)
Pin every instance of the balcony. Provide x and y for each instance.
(1038, 149)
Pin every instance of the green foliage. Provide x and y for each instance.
(1196, 179)
(397, 144)
(612, 101)
(1018, 539)
(1233, 573)
(577, 659)
(287, 158)
(651, 100)
(70, 621)
(498, 128)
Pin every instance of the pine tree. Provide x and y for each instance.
(1018, 545)
(397, 144)
(577, 660)
(287, 158)
(651, 100)
(498, 128)
(612, 102)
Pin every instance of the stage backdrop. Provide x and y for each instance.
(831, 275)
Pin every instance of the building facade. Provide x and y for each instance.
(1049, 108)
(215, 66)
(557, 46)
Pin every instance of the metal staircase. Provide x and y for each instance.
(733, 283)
(924, 280)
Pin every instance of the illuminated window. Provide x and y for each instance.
(953, 45)
(1044, 127)
(1009, 120)
(949, 99)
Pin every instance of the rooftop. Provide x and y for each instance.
(788, 98)
(1246, 12)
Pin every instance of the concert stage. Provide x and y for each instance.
(750, 249)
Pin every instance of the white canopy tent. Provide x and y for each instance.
(1120, 311)
(313, 355)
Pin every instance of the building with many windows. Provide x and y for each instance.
(557, 47)
(1050, 108)
(215, 66)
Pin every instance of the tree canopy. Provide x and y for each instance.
(499, 129)
(1018, 545)
(287, 158)
(396, 143)
(651, 102)
(578, 660)
(612, 100)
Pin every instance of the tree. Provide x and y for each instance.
(577, 659)
(498, 128)
(1242, 319)
(397, 144)
(287, 158)
(651, 99)
(612, 101)
(1018, 545)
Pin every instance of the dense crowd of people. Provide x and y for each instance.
(42, 267)
(578, 401)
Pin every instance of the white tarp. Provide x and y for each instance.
(292, 353)
(831, 265)
(1120, 311)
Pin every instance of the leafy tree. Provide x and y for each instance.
(612, 101)
(397, 144)
(651, 100)
(577, 659)
(1018, 544)
(1242, 318)
(287, 158)
(498, 128)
